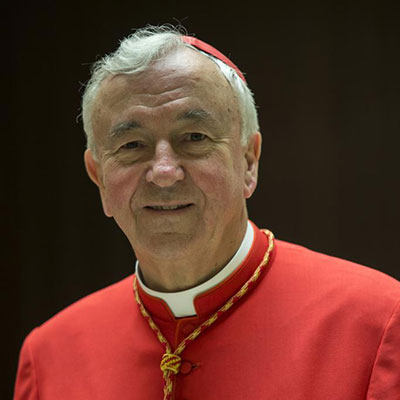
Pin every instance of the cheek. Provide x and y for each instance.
(221, 181)
(119, 186)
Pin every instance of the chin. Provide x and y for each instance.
(167, 244)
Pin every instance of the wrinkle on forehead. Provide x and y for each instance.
(184, 73)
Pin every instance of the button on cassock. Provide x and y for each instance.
(186, 367)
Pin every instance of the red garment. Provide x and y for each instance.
(314, 328)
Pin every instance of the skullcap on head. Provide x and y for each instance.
(199, 44)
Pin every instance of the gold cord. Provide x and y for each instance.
(171, 361)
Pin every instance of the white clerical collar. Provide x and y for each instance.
(182, 303)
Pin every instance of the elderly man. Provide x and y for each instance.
(217, 308)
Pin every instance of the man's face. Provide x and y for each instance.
(171, 167)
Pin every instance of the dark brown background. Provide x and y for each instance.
(325, 78)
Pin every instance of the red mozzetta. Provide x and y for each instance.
(314, 327)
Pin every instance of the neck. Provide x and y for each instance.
(187, 269)
(182, 304)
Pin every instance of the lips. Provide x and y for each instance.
(168, 207)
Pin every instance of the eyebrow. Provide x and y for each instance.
(122, 127)
(198, 115)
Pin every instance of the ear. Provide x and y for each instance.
(252, 156)
(93, 169)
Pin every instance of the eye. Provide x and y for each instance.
(131, 145)
(196, 137)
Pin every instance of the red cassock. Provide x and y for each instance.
(314, 328)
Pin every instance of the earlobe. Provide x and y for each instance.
(94, 172)
(252, 157)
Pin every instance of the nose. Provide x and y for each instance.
(165, 169)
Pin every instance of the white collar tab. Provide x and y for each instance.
(182, 303)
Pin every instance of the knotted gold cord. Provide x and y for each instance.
(171, 361)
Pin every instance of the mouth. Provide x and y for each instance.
(173, 207)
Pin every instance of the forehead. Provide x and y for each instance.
(182, 79)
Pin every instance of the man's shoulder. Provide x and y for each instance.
(102, 308)
(321, 272)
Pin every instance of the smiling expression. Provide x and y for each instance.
(171, 167)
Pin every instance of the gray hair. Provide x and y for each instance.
(137, 52)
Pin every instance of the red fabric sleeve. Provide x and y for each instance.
(25, 385)
(385, 377)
